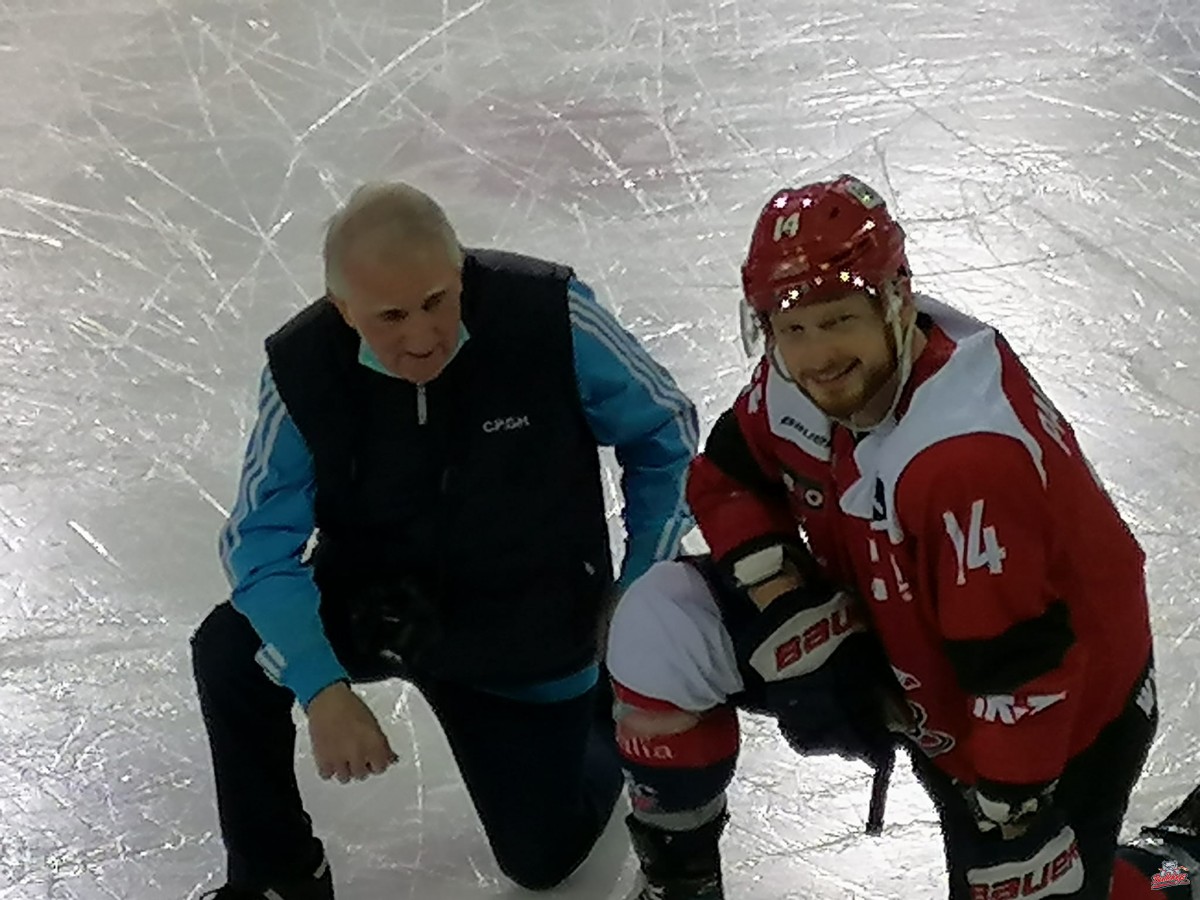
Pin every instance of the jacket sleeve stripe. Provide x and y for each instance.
(634, 404)
(256, 469)
(590, 317)
(672, 535)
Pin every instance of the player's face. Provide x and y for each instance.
(406, 306)
(840, 353)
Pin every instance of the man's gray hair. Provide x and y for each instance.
(394, 216)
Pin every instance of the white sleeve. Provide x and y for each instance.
(667, 640)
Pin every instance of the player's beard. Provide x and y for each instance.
(865, 394)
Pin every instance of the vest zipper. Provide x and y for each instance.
(422, 409)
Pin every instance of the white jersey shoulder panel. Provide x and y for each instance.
(965, 396)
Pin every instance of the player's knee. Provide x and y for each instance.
(655, 723)
(652, 729)
(676, 760)
(667, 638)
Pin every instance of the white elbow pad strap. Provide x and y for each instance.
(760, 566)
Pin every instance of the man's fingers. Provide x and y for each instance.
(379, 759)
(360, 768)
(387, 749)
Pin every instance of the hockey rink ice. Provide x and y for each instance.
(166, 167)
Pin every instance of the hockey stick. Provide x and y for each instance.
(879, 789)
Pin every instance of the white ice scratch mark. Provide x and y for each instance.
(1185, 635)
(234, 65)
(164, 227)
(33, 236)
(1187, 92)
(88, 239)
(204, 494)
(127, 156)
(403, 710)
(386, 70)
(92, 541)
(197, 383)
(499, 165)
(698, 192)
(65, 745)
(598, 150)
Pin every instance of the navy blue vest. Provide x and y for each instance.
(494, 502)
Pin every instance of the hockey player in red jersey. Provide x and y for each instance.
(674, 636)
(893, 470)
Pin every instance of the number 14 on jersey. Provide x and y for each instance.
(977, 546)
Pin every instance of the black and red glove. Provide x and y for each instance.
(825, 675)
(1026, 847)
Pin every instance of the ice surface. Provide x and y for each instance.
(166, 170)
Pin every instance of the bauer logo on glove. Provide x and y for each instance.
(1054, 869)
(803, 637)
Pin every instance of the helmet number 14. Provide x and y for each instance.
(787, 225)
(977, 546)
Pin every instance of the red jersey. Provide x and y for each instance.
(1007, 591)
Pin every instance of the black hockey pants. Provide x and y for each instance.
(1093, 793)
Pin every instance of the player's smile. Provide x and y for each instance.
(831, 379)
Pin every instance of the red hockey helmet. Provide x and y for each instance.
(819, 242)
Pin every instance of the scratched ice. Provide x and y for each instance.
(166, 169)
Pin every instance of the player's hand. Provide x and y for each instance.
(1024, 839)
(1044, 853)
(825, 675)
(1011, 810)
(347, 741)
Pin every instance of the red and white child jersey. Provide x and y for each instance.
(1003, 583)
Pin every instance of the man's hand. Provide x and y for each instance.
(347, 741)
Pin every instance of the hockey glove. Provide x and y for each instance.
(1025, 847)
(825, 676)
(1011, 810)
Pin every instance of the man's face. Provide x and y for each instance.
(406, 306)
(840, 353)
